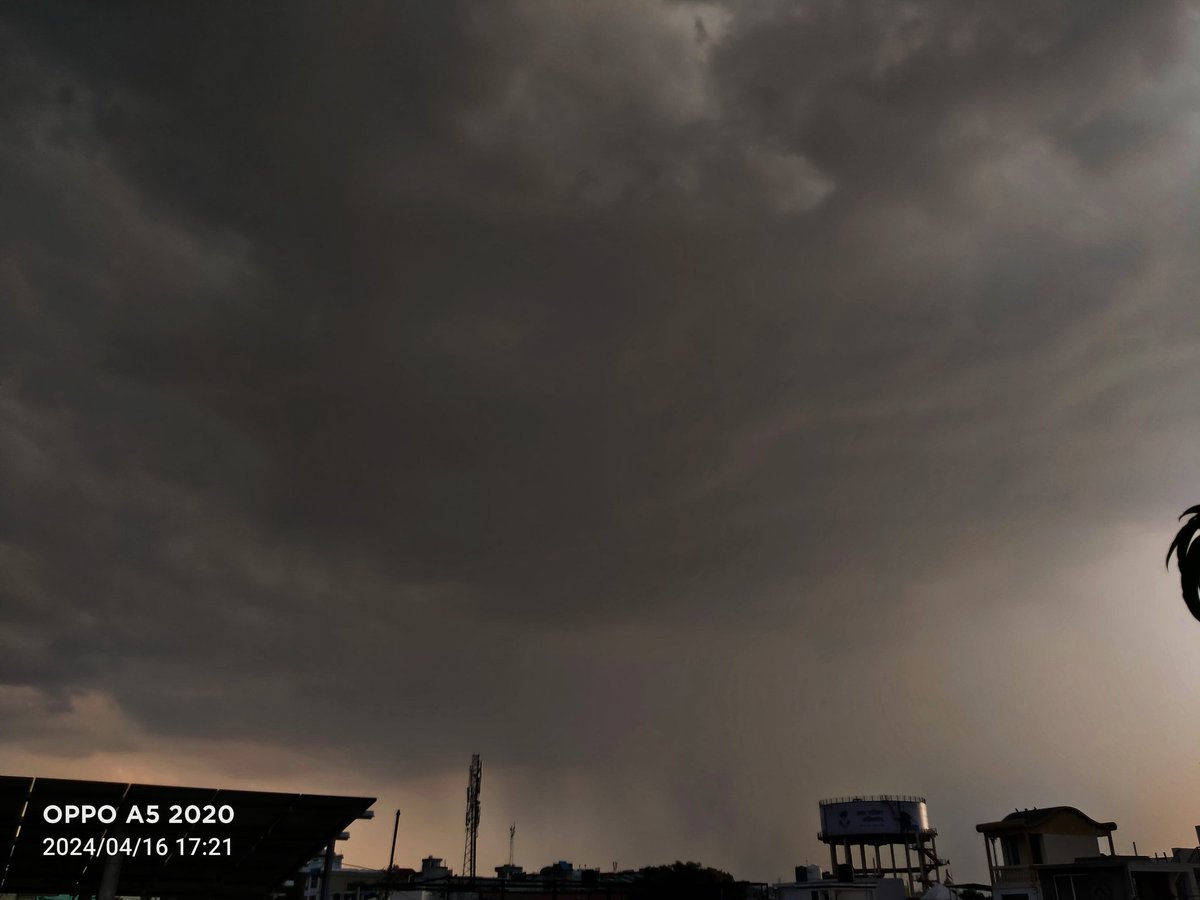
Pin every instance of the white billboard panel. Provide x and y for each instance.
(851, 818)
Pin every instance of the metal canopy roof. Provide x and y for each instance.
(270, 837)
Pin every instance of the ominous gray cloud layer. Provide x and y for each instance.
(698, 409)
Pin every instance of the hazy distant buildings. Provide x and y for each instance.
(558, 881)
(344, 884)
(834, 889)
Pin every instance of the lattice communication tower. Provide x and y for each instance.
(473, 782)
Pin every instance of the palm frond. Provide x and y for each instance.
(1187, 558)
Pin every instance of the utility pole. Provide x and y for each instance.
(474, 778)
(387, 880)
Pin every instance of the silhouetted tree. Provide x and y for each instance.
(1187, 557)
(687, 881)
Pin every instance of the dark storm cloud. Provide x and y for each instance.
(484, 366)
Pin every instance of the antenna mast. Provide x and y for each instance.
(473, 781)
(512, 836)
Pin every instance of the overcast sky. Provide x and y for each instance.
(696, 409)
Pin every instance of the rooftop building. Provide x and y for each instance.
(1055, 854)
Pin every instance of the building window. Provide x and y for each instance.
(1035, 849)
(1012, 854)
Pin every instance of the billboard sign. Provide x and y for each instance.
(869, 817)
